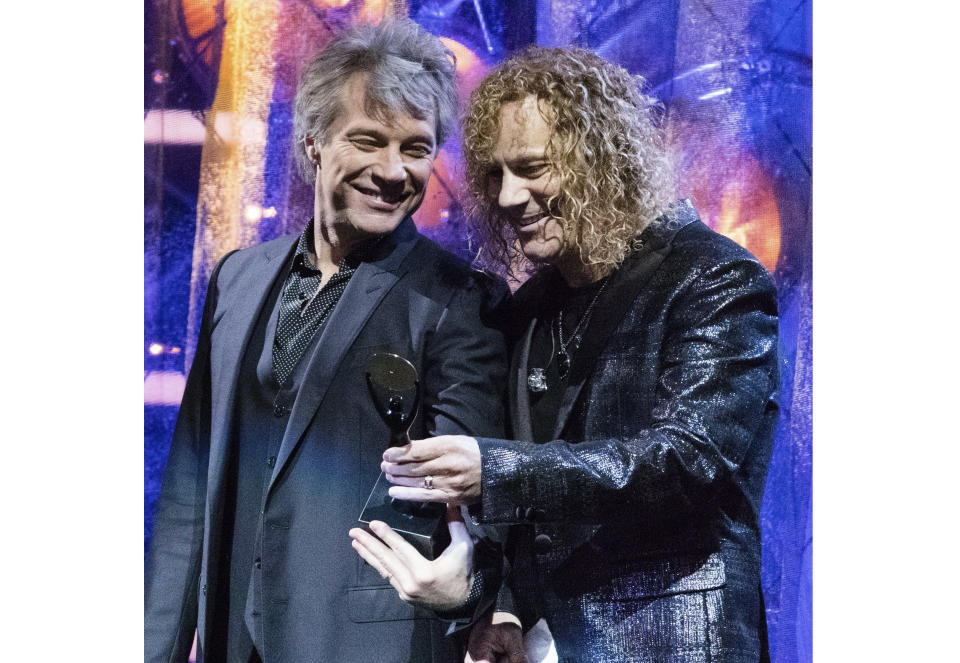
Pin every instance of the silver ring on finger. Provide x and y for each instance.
(428, 482)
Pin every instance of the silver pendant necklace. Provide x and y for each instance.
(537, 377)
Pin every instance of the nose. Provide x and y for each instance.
(389, 166)
(512, 191)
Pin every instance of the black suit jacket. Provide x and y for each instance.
(637, 533)
(321, 602)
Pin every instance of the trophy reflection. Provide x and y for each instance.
(395, 390)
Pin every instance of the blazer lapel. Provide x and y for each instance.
(363, 294)
(240, 319)
(623, 289)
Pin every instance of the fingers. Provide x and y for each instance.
(418, 450)
(408, 480)
(391, 554)
(402, 549)
(382, 560)
(368, 556)
(441, 488)
(419, 494)
(438, 481)
(417, 470)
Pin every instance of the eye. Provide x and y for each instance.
(533, 171)
(494, 175)
(365, 144)
(418, 151)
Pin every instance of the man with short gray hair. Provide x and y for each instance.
(278, 443)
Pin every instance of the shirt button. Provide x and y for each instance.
(256, 563)
(278, 410)
(271, 461)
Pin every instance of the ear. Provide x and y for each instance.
(309, 145)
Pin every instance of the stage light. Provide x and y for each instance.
(163, 388)
(444, 215)
(173, 127)
(160, 76)
(253, 212)
(155, 348)
(269, 212)
(174, 350)
(715, 94)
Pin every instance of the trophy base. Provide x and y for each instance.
(422, 524)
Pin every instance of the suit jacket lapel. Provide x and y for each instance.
(240, 318)
(366, 288)
(623, 289)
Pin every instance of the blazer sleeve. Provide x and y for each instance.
(466, 363)
(173, 567)
(464, 393)
(717, 377)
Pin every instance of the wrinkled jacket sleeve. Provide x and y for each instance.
(464, 394)
(717, 376)
(466, 364)
(170, 600)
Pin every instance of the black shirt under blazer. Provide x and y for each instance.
(637, 535)
(321, 602)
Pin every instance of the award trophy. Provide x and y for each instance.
(395, 390)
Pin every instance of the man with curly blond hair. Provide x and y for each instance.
(643, 385)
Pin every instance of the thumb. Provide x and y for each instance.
(458, 529)
(397, 454)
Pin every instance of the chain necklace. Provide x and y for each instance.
(537, 377)
(563, 356)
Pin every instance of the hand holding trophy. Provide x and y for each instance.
(395, 389)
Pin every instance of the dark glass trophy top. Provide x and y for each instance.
(395, 390)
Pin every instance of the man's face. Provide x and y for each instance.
(372, 174)
(523, 179)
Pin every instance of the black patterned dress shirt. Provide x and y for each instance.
(304, 307)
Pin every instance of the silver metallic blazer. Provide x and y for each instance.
(636, 531)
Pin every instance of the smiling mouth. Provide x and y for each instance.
(378, 200)
(529, 221)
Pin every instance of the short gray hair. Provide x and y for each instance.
(408, 70)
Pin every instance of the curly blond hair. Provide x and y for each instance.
(606, 149)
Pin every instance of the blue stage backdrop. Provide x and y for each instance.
(735, 80)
